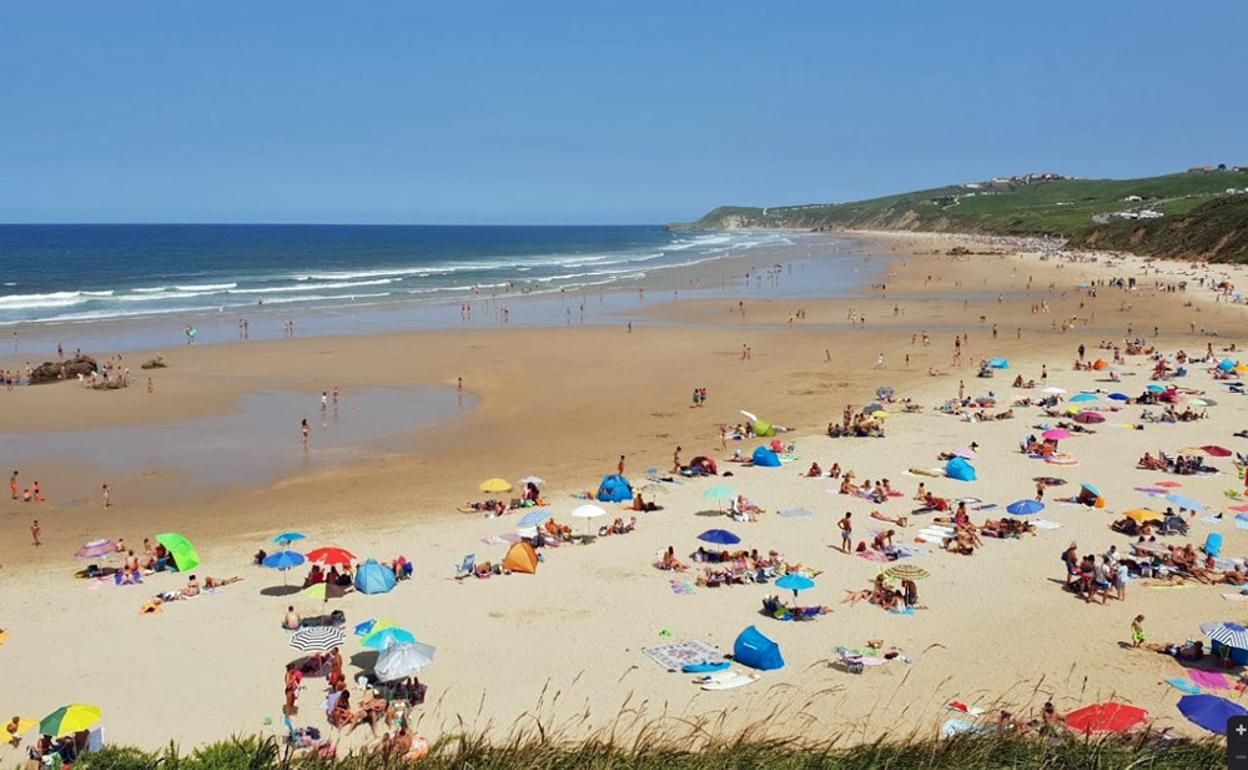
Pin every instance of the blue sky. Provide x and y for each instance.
(590, 112)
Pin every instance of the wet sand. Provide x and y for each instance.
(563, 404)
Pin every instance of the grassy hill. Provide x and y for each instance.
(1200, 219)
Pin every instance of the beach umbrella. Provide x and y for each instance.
(372, 624)
(286, 538)
(73, 718)
(1105, 718)
(1227, 633)
(884, 392)
(381, 638)
(1024, 507)
(1119, 397)
(323, 591)
(1072, 410)
(96, 548)
(534, 518)
(998, 363)
(1155, 388)
(879, 414)
(331, 557)
(495, 485)
(1203, 402)
(1087, 417)
(1092, 489)
(1081, 397)
(1193, 450)
(184, 555)
(753, 417)
(1213, 450)
(906, 572)
(535, 480)
(317, 638)
(871, 409)
(403, 660)
(719, 537)
(1053, 391)
(1183, 501)
(1141, 515)
(587, 512)
(795, 582)
(1210, 711)
(720, 493)
(1056, 434)
(966, 453)
(284, 561)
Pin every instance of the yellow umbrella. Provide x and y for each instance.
(879, 415)
(495, 485)
(1192, 450)
(1141, 515)
(24, 724)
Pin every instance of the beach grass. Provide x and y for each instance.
(534, 751)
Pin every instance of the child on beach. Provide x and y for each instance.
(1137, 631)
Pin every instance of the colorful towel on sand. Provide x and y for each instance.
(1213, 520)
(790, 513)
(874, 556)
(907, 612)
(671, 657)
(1183, 686)
(1241, 521)
(682, 588)
(1210, 680)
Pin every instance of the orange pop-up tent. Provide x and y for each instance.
(520, 558)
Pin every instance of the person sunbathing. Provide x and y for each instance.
(814, 472)
(1208, 573)
(900, 521)
(744, 505)
(1150, 463)
(560, 532)
(670, 562)
(483, 570)
(1235, 576)
(212, 582)
(853, 597)
(933, 503)
(292, 621)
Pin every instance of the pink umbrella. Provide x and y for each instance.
(1056, 434)
(1214, 450)
(1086, 417)
(966, 453)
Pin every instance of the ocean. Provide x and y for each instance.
(89, 273)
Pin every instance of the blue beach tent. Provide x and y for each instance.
(372, 578)
(614, 489)
(766, 458)
(756, 651)
(958, 468)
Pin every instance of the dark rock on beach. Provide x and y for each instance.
(69, 369)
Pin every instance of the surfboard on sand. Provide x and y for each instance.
(736, 680)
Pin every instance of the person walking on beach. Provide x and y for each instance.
(847, 532)
(13, 485)
(619, 467)
(36, 531)
(879, 361)
(676, 466)
(303, 428)
(324, 401)
(108, 495)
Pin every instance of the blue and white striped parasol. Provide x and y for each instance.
(1227, 633)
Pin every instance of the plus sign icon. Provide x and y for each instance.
(1237, 743)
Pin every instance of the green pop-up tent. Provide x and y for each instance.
(185, 557)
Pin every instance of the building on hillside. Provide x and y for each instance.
(1201, 170)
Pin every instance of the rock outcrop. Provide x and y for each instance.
(69, 369)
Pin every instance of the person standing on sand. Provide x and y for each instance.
(13, 485)
(36, 531)
(676, 466)
(303, 428)
(1137, 631)
(619, 467)
(847, 532)
(1039, 491)
(108, 494)
(324, 401)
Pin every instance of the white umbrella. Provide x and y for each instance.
(532, 480)
(753, 417)
(402, 660)
(1054, 391)
(587, 512)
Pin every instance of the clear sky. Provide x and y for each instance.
(590, 111)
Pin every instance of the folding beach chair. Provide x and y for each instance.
(468, 567)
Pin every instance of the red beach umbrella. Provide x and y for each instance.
(1105, 718)
(331, 556)
(1213, 450)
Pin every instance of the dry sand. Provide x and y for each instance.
(564, 645)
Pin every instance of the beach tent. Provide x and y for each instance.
(1099, 364)
(764, 429)
(184, 555)
(372, 578)
(998, 363)
(960, 469)
(756, 651)
(614, 489)
(520, 558)
(704, 464)
(1226, 365)
(766, 458)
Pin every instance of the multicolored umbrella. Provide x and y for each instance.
(73, 718)
(317, 638)
(96, 549)
(1227, 633)
(907, 572)
(331, 556)
(1210, 711)
(1105, 718)
(381, 638)
(185, 557)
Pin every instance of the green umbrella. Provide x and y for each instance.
(183, 553)
(720, 493)
(69, 719)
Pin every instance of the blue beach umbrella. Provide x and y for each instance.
(719, 537)
(1119, 397)
(1024, 507)
(286, 538)
(795, 582)
(1183, 501)
(1227, 633)
(998, 363)
(1155, 388)
(1092, 489)
(384, 637)
(284, 561)
(1083, 397)
(1210, 711)
(1226, 364)
(534, 518)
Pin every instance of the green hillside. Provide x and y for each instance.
(1200, 218)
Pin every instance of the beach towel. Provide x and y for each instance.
(682, 587)
(909, 551)
(907, 612)
(1241, 521)
(671, 657)
(1183, 686)
(790, 513)
(1213, 520)
(874, 556)
(1046, 524)
(1210, 680)
(506, 539)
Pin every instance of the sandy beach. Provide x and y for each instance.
(563, 646)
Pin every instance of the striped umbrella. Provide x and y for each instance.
(1227, 633)
(96, 548)
(906, 572)
(69, 719)
(317, 638)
